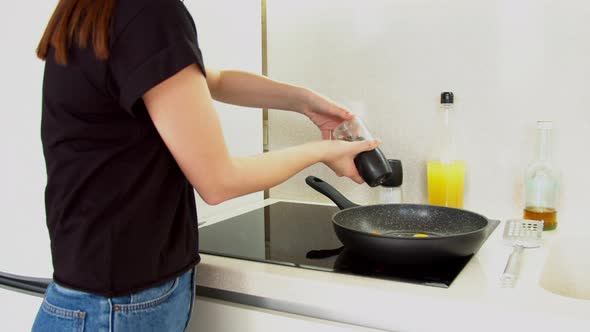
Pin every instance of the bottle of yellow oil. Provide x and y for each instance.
(541, 181)
(446, 175)
(446, 182)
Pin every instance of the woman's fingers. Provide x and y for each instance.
(329, 107)
(358, 179)
(342, 155)
(341, 112)
(368, 145)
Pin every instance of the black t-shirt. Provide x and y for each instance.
(121, 214)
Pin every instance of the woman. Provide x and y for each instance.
(129, 131)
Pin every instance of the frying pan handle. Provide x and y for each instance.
(327, 190)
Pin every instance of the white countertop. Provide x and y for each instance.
(474, 302)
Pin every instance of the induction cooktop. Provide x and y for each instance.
(301, 235)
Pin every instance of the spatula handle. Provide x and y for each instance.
(512, 266)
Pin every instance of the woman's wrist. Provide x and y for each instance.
(302, 99)
(319, 150)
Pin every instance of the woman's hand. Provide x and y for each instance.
(325, 113)
(339, 156)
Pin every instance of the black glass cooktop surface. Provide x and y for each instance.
(301, 235)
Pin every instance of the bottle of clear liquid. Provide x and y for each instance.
(541, 181)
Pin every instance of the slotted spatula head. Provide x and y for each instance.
(526, 233)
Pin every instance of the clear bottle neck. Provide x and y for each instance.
(447, 151)
(447, 107)
(543, 148)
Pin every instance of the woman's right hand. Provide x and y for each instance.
(339, 156)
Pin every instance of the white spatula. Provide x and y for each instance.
(520, 234)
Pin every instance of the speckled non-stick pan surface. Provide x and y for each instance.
(403, 220)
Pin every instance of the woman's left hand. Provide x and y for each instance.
(325, 113)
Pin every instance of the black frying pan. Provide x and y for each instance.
(404, 233)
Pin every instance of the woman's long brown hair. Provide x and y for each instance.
(78, 23)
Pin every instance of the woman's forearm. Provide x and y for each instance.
(183, 113)
(251, 90)
(256, 173)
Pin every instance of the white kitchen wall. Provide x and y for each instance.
(509, 63)
(24, 243)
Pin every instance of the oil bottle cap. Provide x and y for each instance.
(447, 98)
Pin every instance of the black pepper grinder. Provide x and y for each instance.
(371, 165)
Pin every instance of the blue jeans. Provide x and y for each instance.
(166, 307)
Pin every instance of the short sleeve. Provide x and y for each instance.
(156, 44)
